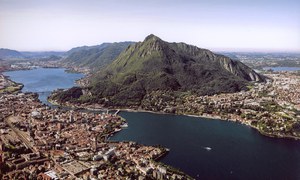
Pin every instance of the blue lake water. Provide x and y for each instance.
(44, 80)
(238, 152)
(276, 69)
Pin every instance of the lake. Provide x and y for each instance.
(44, 80)
(276, 69)
(237, 151)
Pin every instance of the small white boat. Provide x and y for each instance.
(207, 148)
(124, 125)
(117, 130)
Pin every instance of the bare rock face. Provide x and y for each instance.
(241, 70)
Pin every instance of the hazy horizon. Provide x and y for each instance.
(231, 26)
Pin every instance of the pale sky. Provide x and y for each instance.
(219, 25)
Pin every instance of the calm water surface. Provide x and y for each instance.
(238, 152)
(44, 80)
(276, 69)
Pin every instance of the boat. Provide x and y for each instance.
(117, 130)
(207, 148)
(124, 125)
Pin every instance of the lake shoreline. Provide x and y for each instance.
(215, 118)
(271, 135)
(199, 134)
(157, 159)
(158, 112)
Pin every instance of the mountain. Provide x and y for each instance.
(156, 65)
(8, 54)
(81, 48)
(42, 54)
(50, 58)
(95, 57)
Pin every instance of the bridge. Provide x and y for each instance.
(117, 112)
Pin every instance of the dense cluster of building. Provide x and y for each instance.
(38, 142)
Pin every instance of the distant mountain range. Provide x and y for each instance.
(43, 54)
(94, 57)
(8, 54)
(157, 65)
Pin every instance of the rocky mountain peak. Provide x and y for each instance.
(152, 37)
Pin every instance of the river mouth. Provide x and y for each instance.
(236, 151)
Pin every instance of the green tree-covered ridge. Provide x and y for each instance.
(95, 57)
(156, 65)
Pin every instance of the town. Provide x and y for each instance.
(273, 108)
(39, 142)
